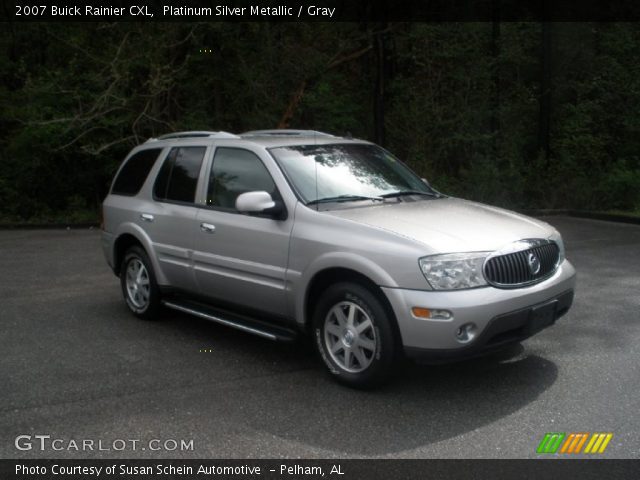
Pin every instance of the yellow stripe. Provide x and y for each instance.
(582, 440)
(591, 442)
(596, 445)
(567, 442)
(605, 443)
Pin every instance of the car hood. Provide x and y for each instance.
(449, 224)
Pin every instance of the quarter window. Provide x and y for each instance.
(134, 172)
(236, 171)
(178, 177)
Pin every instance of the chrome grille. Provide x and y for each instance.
(514, 270)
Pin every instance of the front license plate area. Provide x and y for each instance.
(543, 316)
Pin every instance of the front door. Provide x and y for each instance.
(241, 259)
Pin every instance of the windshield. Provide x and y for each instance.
(346, 172)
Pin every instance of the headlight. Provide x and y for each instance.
(453, 271)
(557, 238)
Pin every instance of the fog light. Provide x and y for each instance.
(465, 333)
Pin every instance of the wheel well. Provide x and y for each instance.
(325, 278)
(123, 243)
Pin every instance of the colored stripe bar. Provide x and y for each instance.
(568, 443)
(551, 442)
(543, 444)
(598, 442)
(576, 445)
(580, 443)
(573, 442)
(558, 440)
(605, 442)
(593, 440)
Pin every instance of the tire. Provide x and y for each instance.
(139, 286)
(355, 336)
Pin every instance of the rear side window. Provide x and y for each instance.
(236, 171)
(134, 172)
(178, 177)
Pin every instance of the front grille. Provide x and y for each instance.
(513, 269)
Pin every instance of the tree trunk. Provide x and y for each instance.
(380, 45)
(495, 101)
(544, 122)
(308, 82)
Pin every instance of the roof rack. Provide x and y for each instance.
(194, 134)
(281, 132)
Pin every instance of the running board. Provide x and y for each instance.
(246, 324)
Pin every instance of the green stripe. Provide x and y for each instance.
(558, 442)
(542, 446)
(551, 442)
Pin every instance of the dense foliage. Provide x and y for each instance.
(524, 115)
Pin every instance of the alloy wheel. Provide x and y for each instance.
(350, 337)
(137, 283)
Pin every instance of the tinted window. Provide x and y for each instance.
(178, 177)
(134, 172)
(236, 171)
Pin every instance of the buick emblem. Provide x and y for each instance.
(534, 263)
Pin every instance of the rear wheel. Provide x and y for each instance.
(354, 335)
(139, 287)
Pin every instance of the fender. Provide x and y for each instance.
(137, 232)
(350, 261)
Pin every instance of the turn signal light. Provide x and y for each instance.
(433, 314)
(421, 312)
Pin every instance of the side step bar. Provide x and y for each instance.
(246, 324)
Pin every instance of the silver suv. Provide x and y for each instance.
(285, 232)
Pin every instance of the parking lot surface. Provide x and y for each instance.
(75, 365)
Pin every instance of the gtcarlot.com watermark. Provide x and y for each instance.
(44, 443)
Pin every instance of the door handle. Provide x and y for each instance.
(147, 217)
(207, 228)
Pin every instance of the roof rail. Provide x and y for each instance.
(284, 132)
(194, 134)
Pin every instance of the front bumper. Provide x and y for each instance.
(500, 316)
(106, 241)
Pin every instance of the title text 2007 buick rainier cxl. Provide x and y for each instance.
(283, 232)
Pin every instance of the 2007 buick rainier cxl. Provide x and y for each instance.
(282, 232)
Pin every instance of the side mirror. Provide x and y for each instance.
(426, 182)
(260, 202)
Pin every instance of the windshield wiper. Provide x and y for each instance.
(343, 198)
(402, 193)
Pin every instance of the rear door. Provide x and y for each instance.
(241, 259)
(169, 218)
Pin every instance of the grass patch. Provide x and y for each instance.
(69, 217)
(634, 213)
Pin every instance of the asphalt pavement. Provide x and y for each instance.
(75, 365)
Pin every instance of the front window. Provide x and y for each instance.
(236, 171)
(342, 172)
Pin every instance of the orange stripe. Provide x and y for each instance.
(582, 440)
(567, 442)
(576, 438)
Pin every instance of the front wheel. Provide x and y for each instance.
(354, 335)
(139, 287)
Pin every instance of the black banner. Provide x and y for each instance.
(337, 469)
(322, 10)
